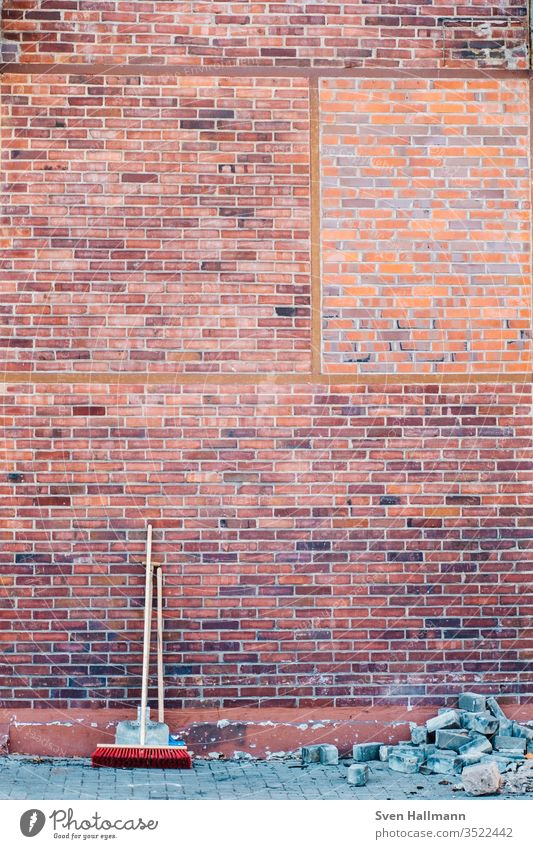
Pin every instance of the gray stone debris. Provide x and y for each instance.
(513, 744)
(419, 733)
(472, 702)
(449, 719)
(329, 754)
(481, 723)
(366, 752)
(310, 755)
(358, 774)
(481, 779)
(446, 738)
(384, 752)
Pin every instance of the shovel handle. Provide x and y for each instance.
(146, 635)
(160, 681)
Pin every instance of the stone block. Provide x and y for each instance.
(358, 774)
(477, 743)
(419, 733)
(404, 760)
(443, 762)
(310, 754)
(448, 719)
(384, 752)
(481, 779)
(472, 702)
(329, 754)
(506, 727)
(366, 752)
(513, 744)
(450, 739)
(494, 708)
(481, 723)
(521, 731)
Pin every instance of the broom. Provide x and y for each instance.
(155, 757)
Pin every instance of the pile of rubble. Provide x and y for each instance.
(476, 741)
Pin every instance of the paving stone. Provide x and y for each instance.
(358, 774)
(329, 754)
(366, 751)
(450, 739)
(481, 723)
(514, 744)
(419, 733)
(481, 779)
(448, 719)
(443, 762)
(384, 752)
(472, 702)
(310, 754)
(477, 743)
(404, 760)
(522, 731)
(495, 708)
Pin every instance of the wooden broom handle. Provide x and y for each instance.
(160, 680)
(146, 635)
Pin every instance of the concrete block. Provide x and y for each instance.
(513, 744)
(472, 702)
(477, 743)
(443, 762)
(366, 752)
(384, 752)
(310, 754)
(529, 748)
(521, 731)
(419, 733)
(448, 719)
(494, 708)
(469, 758)
(481, 779)
(506, 727)
(329, 754)
(358, 774)
(481, 723)
(402, 760)
(450, 739)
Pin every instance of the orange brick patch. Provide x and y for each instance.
(425, 226)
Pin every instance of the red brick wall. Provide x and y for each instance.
(223, 313)
(165, 220)
(300, 33)
(426, 225)
(351, 545)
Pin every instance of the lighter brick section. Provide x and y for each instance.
(425, 226)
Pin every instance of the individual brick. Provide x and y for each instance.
(443, 762)
(477, 743)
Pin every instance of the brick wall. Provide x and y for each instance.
(338, 546)
(285, 316)
(300, 33)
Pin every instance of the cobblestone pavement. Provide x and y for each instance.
(31, 778)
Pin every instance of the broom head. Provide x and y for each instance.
(148, 757)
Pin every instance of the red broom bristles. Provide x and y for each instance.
(151, 757)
